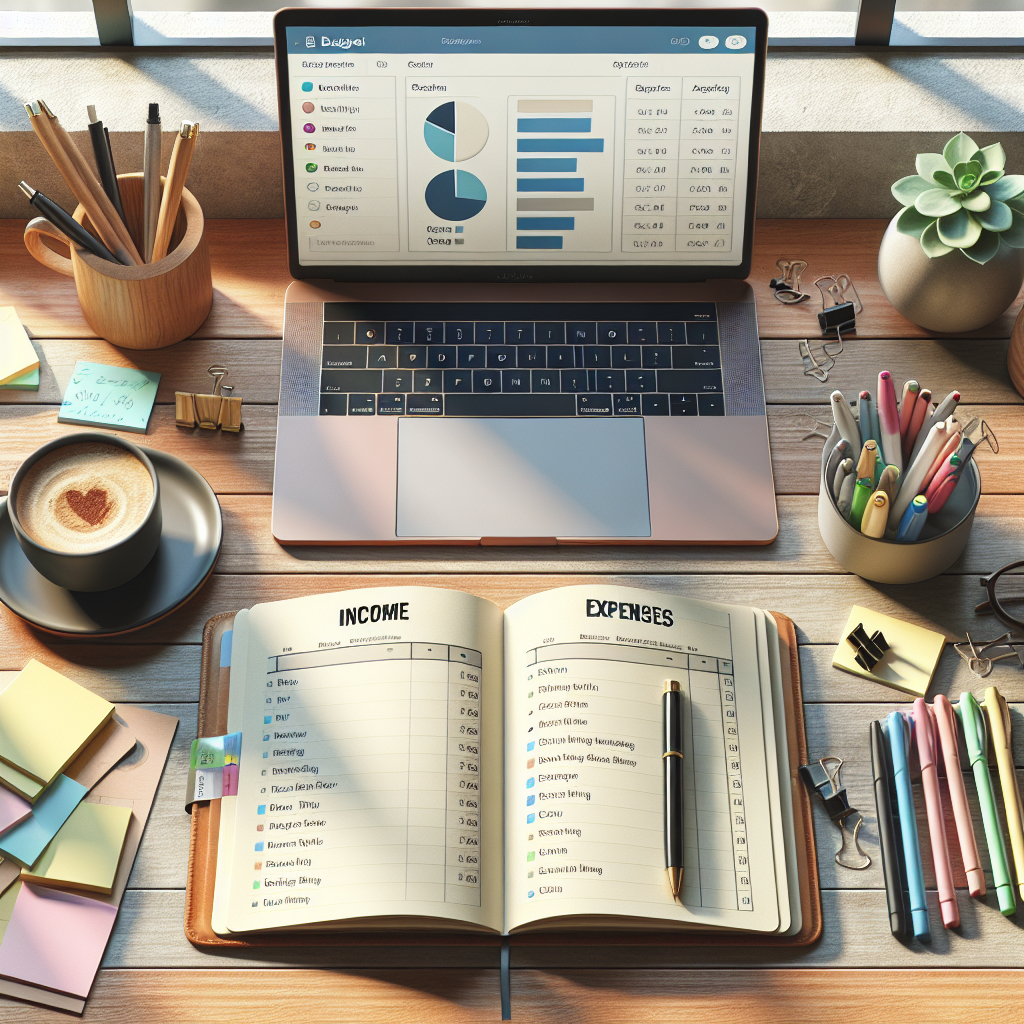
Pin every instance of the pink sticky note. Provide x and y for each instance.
(12, 809)
(56, 940)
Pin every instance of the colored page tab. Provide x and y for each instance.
(45, 720)
(56, 939)
(109, 396)
(85, 852)
(19, 782)
(25, 842)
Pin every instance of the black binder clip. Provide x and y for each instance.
(870, 649)
(828, 785)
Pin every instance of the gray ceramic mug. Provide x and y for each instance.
(103, 568)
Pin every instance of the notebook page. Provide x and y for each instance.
(583, 764)
(370, 782)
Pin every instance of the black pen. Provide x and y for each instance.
(672, 759)
(889, 837)
(104, 161)
(63, 221)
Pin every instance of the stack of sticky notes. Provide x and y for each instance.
(46, 720)
(19, 364)
(120, 397)
(910, 662)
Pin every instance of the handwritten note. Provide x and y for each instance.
(109, 396)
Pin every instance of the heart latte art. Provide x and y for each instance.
(84, 497)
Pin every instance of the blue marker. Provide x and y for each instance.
(868, 418)
(913, 520)
(898, 729)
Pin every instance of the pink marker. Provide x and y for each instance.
(942, 492)
(922, 408)
(943, 714)
(937, 468)
(889, 422)
(908, 402)
(925, 735)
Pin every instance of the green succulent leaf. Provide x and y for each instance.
(906, 190)
(967, 175)
(984, 248)
(1014, 235)
(959, 230)
(959, 149)
(1016, 204)
(1006, 187)
(937, 202)
(992, 158)
(931, 243)
(990, 176)
(977, 202)
(997, 218)
(933, 168)
(910, 222)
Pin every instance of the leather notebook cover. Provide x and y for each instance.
(213, 715)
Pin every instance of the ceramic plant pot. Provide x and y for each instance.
(949, 293)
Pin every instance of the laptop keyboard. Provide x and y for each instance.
(521, 359)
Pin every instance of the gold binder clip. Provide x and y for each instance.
(210, 411)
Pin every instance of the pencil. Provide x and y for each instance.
(177, 172)
(100, 139)
(76, 172)
(151, 144)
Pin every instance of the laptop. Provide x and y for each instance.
(519, 240)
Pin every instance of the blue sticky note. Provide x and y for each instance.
(109, 396)
(27, 840)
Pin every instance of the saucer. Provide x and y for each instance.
(188, 551)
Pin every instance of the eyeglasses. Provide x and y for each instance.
(1005, 588)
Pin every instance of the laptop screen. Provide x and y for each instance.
(595, 148)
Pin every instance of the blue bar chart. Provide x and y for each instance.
(571, 172)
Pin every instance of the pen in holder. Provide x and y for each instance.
(148, 306)
(942, 540)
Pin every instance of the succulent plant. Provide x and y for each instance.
(962, 199)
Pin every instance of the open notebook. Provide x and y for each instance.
(413, 758)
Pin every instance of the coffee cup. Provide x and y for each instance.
(86, 511)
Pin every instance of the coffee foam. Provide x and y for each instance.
(84, 497)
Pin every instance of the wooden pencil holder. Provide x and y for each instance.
(149, 306)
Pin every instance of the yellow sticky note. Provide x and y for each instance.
(17, 356)
(85, 852)
(45, 720)
(910, 662)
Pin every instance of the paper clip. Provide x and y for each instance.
(982, 666)
(788, 287)
(210, 411)
(840, 316)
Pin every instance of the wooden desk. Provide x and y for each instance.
(857, 971)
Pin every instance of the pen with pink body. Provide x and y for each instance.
(945, 721)
(924, 733)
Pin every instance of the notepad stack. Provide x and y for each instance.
(68, 829)
(19, 364)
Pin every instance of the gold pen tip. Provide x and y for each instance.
(675, 880)
(671, 686)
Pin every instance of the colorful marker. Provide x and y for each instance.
(889, 421)
(942, 411)
(866, 417)
(913, 520)
(844, 421)
(876, 515)
(922, 407)
(908, 401)
(861, 495)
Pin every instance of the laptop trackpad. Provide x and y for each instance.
(522, 478)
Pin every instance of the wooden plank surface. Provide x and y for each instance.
(542, 997)
(144, 969)
(250, 274)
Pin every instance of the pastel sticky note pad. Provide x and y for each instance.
(19, 782)
(17, 356)
(56, 939)
(8, 898)
(25, 842)
(26, 382)
(109, 396)
(46, 719)
(85, 852)
(910, 662)
(13, 809)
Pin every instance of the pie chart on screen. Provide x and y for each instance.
(455, 131)
(455, 195)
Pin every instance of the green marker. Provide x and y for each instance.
(861, 493)
(969, 712)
